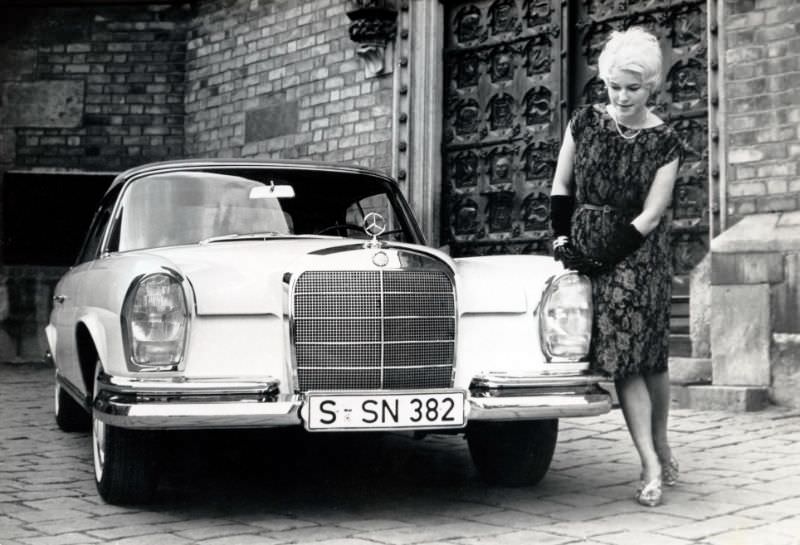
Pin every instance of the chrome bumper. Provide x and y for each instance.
(176, 403)
(172, 403)
(535, 397)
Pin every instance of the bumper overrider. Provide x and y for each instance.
(177, 403)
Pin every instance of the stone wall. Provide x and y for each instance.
(281, 79)
(762, 67)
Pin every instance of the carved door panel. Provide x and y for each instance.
(681, 102)
(502, 123)
(508, 85)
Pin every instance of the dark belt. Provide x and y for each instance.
(605, 208)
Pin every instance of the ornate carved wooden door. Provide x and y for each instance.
(514, 69)
(503, 121)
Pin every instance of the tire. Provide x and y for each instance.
(70, 415)
(125, 463)
(512, 453)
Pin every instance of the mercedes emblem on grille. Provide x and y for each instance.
(374, 224)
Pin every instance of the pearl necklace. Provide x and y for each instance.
(619, 129)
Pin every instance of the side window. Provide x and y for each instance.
(94, 237)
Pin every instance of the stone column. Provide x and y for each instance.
(753, 297)
(426, 20)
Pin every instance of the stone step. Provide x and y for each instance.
(707, 397)
(692, 388)
(686, 371)
(680, 343)
(683, 372)
(679, 325)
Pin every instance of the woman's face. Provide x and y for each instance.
(627, 93)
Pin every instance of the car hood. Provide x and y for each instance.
(250, 276)
(247, 277)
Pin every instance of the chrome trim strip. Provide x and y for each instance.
(267, 164)
(73, 390)
(334, 343)
(361, 367)
(533, 380)
(381, 275)
(534, 407)
(387, 318)
(180, 386)
(290, 294)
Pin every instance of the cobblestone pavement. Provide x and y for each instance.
(740, 484)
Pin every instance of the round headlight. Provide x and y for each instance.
(156, 321)
(565, 321)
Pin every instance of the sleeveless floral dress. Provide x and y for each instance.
(632, 302)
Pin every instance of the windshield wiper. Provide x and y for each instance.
(247, 236)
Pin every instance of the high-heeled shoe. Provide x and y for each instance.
(670, 472)
(649, 494)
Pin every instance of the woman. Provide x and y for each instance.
(612, 186)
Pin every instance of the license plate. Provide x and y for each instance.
(379, 411)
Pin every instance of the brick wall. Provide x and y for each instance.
(281, 79)
(763, 104)
(92, 87)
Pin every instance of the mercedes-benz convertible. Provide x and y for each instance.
(261, 294)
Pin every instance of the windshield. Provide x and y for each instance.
(187, 207)
(183, 208)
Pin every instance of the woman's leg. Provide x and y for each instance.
(658, 388)
(636, 406)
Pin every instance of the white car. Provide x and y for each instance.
(245, 293)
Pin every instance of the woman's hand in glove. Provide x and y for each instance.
(574, 259)
(625, 241)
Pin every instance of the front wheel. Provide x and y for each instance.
(512, 453)
(125, 464)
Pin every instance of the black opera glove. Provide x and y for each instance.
(561, 209)
(626, 240)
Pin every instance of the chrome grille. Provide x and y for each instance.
(360, 330)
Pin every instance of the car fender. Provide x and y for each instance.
(97, 329)
(117, 272)
(498, 325)
(99, 310)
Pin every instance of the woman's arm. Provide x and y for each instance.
(562, 180)
(658, 198)
(562, 205)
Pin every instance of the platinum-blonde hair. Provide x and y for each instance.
(635, 50)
